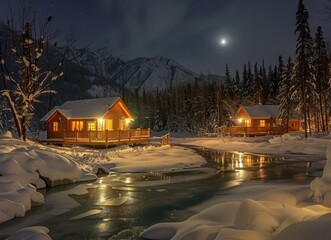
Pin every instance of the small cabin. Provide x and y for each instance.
(92, 122)
(261, 120)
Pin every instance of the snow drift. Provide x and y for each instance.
(24, 168)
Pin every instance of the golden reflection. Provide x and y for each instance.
(248, 161)
(103, 193)
(128, 180)
(103, 226)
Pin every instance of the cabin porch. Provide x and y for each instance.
(253, 131)
(102, 138)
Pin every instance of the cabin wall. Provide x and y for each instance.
(294, 125)
(118, 114)
(61, 121)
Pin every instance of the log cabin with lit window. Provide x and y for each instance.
(260, 120)
(102, 121)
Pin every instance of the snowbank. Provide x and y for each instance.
(24, 168)
(291, 145)
(283, 213)
(321, 187)
(31, 233)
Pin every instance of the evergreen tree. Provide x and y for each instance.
(228, 85)
(245, 81)
(286, 104)
(322, 74)
(256, 88)
(304, 81)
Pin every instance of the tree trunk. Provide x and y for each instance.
(14, 114)
(322, 114)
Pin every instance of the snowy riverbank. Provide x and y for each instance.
(28, 166)
(262, 211)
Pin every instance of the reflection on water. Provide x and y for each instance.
(120, 205)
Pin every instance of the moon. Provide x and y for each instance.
(223, 41)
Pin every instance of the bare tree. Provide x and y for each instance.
(29, 64)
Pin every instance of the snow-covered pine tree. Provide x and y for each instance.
(26, 67)
(250, 81)
(228, 84)
(237, 89)
(304, 87)
(256, 87)
(286, 105)
(265, 81)
(322, 74)
(244, 81)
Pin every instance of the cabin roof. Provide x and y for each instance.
(84, 109)
(262, 111)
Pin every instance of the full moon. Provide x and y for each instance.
(223, 42)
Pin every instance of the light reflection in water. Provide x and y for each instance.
(231, 161)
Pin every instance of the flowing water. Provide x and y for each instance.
(121, 205)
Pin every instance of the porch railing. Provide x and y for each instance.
(250, 131)
(107, 136)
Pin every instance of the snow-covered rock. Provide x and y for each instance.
(31, 233)
(321, 186)
(26, 167)
(6, 134)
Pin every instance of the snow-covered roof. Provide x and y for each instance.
(82, 109)
(262, 111)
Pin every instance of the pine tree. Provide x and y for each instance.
(322, 74)
(228, 85)
(304, 81)
(286, 105)
(256, 88)
(245, 81)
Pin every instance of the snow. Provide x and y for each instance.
(262, 111)
(281, 211)
(87, 108)
(24, 168)
(31, 233)
(254, 210)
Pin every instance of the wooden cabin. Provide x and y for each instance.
(102, 121)
(261, 120)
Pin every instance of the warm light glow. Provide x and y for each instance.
(240, 120)
(127, 121)
(100, 120)
(101, 124)
(128, 180)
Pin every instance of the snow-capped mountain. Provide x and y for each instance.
(139, 73)
(152, 73)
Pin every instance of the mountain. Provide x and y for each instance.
(110, 73)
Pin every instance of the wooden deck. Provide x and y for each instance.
(253, 131)
(103, 138)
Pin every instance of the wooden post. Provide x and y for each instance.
(139, 133)
(106, 132)
(89, 136)
(76, 136)
(129, 134)
(64, 136)
(119, 135)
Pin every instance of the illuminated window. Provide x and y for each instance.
(262, 123)
(76, 125)
(247, 123)
(91, 126)
(55, 126)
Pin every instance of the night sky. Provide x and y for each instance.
(188, 31)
